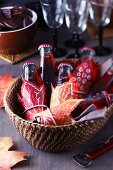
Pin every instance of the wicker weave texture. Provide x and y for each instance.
(50, 138)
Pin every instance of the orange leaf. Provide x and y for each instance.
(4, 168)
(5, 81)
(5, 143)
(9, 158)
(66, 107)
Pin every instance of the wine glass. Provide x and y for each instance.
(100, 12)
(53, 13)
(76, 16)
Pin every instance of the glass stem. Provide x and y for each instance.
(54, 39)
(100, 34)
(76, 42)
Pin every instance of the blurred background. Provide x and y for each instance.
(13, 2)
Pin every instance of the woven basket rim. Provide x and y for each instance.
(8, 109)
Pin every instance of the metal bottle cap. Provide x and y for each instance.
(45, 46)
(28, 63)
(63, 64)
(29, 69)
(87, 51)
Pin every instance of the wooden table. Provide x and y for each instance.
(39, 160)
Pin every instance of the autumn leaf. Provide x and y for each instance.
(9, 158)
(5, 81)
(60, 114)
(66, 107)
(5, 143)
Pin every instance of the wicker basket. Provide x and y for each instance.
(50, 138)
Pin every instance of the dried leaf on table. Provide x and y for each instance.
(5, 81)
(5, 143)
(9, 158)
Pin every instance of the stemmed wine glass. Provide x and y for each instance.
(53, 13)
(76, 16)
(100, 12)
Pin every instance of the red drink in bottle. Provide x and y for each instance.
(48, 68)
(64, 74)
(100, 101)
(32, 91)
(31, 73)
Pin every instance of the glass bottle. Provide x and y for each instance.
(31, 73)
(100, 101)
(47, 68)
(64, 73)
(87, 51)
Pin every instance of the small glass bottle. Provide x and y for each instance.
(86, 51)
(64, 73)
(31, 73)
(48, 68)
(32, 91)
(100, 101)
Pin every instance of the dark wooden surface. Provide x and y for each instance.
(39, 160)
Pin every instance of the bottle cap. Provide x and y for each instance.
(87, 51)
(62, 64)
(48, 46)
(28, 63)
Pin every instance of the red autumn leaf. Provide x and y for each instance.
(32, 95)
(9, 158)
(5, 81)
